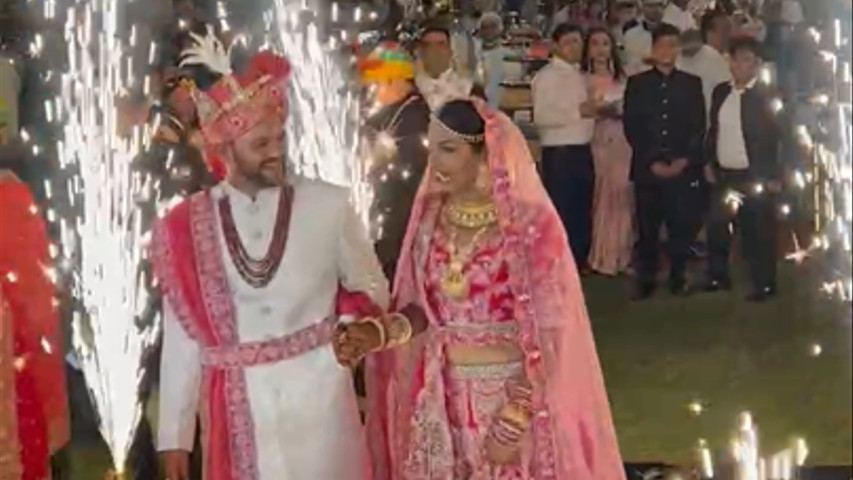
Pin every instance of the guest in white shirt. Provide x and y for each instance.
(678, 14)
(436, 79)
(565, 118)
(490, 56)
(743, 150)
(703, 54)
(638, 39)
(623, 15)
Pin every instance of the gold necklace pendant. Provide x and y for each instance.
(472, 216)
(454, 282)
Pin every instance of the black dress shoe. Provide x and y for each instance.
(718, 286)
(762, 295)
(644, 291)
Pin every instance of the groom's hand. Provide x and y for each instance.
(345, 352)
(176, 464)
(355, 340)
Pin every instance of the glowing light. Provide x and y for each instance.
(745, 450)
(766, 75)
(45, 345)
(799, 255)
(816, 350)
(777, 105)
(804, 137)
(696, 408)
(821, 99)
(705, 459)
(12, 277)
(801, 450)
(323, 120)
(105, 237)
(733, 199)
(815, 34)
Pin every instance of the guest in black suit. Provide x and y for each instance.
(665, 124)
(743, 152)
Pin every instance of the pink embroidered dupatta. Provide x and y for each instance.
(572, 433)
(188, 265)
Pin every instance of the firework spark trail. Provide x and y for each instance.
(323, 125)
(109, 238)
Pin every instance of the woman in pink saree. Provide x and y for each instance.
(505, 382)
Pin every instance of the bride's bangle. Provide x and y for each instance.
(399, 330)
(520, 393)
(516, 414)
(380, 327)
(506, 432)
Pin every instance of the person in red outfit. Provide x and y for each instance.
(33, 400)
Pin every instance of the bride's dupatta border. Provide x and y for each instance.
(572, 431)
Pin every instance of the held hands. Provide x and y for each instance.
(176, 464)
(355, 340)
(671, 170)
(592, 107)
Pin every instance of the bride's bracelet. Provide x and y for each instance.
(520, 394)
(507, 432)
(394, 330)
(380, 327)
(399, 329)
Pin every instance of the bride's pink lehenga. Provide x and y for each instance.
(427, 420)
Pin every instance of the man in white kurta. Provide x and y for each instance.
(305, 415)
(250, 271)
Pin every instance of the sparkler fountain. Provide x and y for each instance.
(105, 245)
(107, 234)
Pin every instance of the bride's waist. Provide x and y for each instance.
(480, 344)
(471, 355)
(476, 333)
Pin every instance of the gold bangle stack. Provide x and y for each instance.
(394, 330)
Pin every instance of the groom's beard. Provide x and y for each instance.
(269, 173)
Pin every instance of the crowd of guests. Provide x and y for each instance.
(649, 114)
(662, 129)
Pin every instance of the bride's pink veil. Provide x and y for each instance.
(573, 430)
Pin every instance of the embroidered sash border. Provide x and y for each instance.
(270, 351)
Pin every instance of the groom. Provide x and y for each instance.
(251, 271)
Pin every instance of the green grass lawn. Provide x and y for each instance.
(731, 356)
(661, 355)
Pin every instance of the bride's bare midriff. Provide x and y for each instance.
(483, 355)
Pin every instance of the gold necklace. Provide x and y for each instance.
(471, 216)
(454, 283)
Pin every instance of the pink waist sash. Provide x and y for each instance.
(270, 351)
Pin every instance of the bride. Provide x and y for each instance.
(504, 381)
